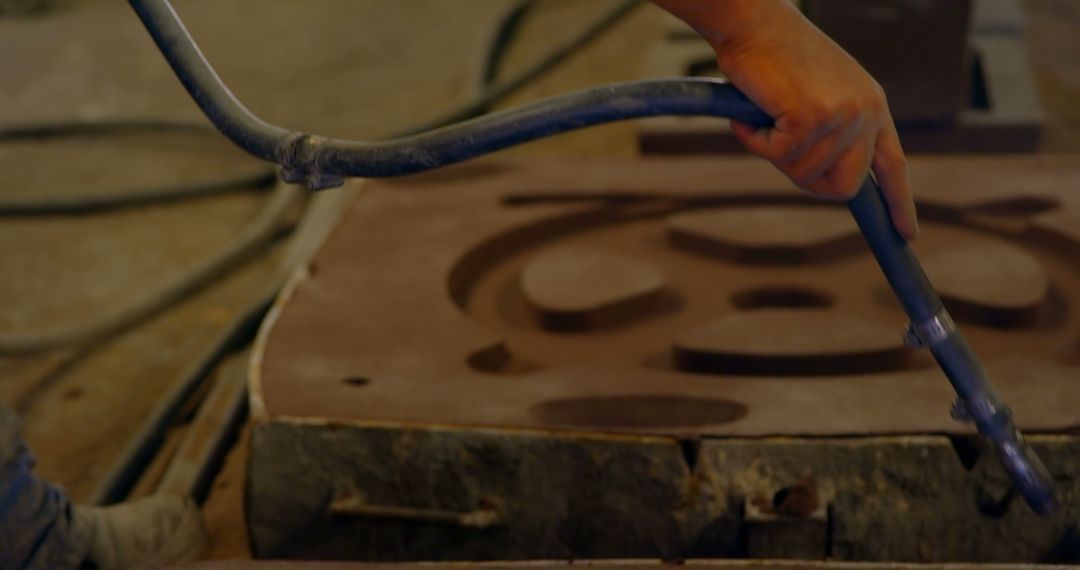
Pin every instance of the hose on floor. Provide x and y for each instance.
(36, 205)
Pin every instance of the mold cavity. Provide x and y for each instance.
(357, 381)
(639, 411)
(577, 288)
(497, 359)
(473, 266)
(464, 172)
(1017, 207)
(784, 297)
(826, 364)
(609, 317)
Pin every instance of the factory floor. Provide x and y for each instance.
(349, 68)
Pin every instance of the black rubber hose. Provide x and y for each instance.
(933, 327)
(504, 34)
(318, 219)
(89, 203)
(494, 90)
(255, 235)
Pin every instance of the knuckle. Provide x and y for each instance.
(810, 117)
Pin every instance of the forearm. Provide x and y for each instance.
(832, 122)
(724, 22)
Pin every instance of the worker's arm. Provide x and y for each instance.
(832, 120)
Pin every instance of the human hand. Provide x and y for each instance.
(832, 122)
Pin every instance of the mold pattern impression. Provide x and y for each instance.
(700, 296)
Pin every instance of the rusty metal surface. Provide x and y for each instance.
(422, 313)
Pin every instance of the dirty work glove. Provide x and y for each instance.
(832, 121)
(145, 533)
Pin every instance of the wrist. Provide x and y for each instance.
(726, 24)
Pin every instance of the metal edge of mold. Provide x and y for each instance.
(321, 219)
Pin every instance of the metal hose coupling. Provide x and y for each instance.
(977, 404)
(994, 421)
(299, 160)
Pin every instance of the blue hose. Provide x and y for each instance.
(320, 163)
(933, 328)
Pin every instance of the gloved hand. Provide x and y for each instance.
(832, 120)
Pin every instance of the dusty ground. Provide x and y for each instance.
(356, 68)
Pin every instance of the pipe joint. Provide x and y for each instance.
(299, 160)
